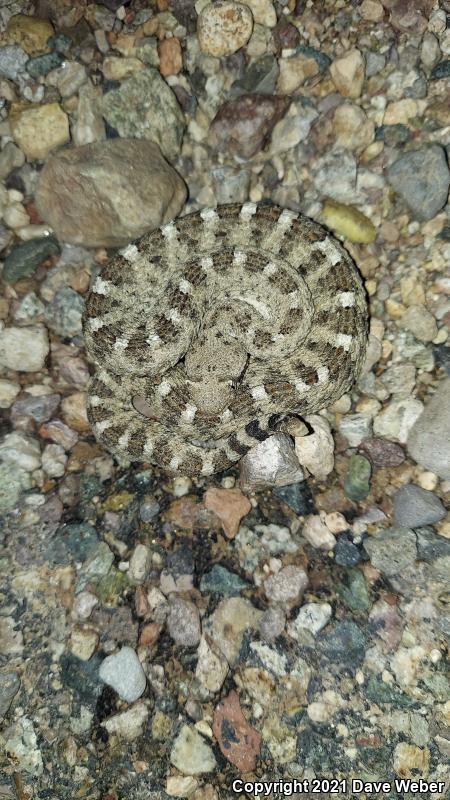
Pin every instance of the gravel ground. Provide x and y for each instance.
(167, 637)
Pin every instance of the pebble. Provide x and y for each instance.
(441, 70)
(238, 741)
(286, 586)
(293, 128)
(149, 508)
(430, 52)
(295, 71)
(12, 61)
(317, 533)
(39, 130)
(355, 428)
(39, 408)
(263, 12)
(392, 550)
(27, 347)
(414, 507)
(139, 564)
(347, 74)
(183, 622)
(270, 463)
(83, 642)
(178, 786)
(117, 69)
(13, 481)
(123, 672)
(220, 580)
(420, 322)
(352, 127)
(348, 222)
(21, 451)
(430, 545)
(9, 686)
(371, 10)
(297, 496)
(383, 453)
(63, 314)
(170, 56)
(429, 436)
(357, 480)
(10, 158)
(345, 643)
(211, 668)
(227, 624)
(145, 107)
(40, 66)
(88, 126)
(311, 617)
(422, 178)
(396, 420)
(68, 78)
(243, 125)
(315, 452)
(139, 192)
(335, 175)
(230, 505)
(346, 553)
(23, 259)
(190, 753)
(272, 623)
(224, 27)
(8, 393)
(73, 410)
(30, 33)
(128, 725)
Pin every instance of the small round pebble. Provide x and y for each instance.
(123, 672)
(224, 27)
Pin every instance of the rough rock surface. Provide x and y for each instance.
(109, 193)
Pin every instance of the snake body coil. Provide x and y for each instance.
(209, 330)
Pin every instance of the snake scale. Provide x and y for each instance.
(210, 330)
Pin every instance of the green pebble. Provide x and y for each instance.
(110, 588)
(25, 258)
(41, 65)
(354, 591)
(220, 581)
(357, 481)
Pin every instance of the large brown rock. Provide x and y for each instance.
(109, 193)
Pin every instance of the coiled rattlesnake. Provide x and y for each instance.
(209, 331)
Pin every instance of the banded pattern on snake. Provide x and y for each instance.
(210, 330)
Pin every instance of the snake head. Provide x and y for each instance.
(214, 364)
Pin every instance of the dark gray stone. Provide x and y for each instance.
(345, 643)
(25, 258)
(430, 545)
(297, 496)
(220, 581)
(392, 550)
